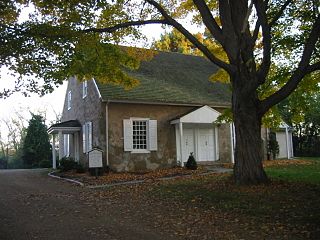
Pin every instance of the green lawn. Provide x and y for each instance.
(291, 200)
(297, 173)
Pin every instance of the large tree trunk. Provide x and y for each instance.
(248, 167)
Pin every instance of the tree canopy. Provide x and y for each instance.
(271, 46)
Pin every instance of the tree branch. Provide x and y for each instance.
(209, 20)
(279, 13)
(125, 25)
(303, 69)
(313, 67)
(246, 22)
(191, 38)
(266, 60)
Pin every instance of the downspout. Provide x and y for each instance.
(107, 134)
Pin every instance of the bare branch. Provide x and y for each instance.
(191, 38)
(303, 69)
(209, 20)
(125, 25)
(279, 13)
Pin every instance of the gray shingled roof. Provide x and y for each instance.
(172, 78)
(70, 123)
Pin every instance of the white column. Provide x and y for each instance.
(54, 157)
(71, 146)
(76, 146)
(291, 145)
(216, 142)
(60, 145)
(287, 143)
(232, 142)
(181, 139)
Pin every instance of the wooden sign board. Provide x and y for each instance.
(95, 159)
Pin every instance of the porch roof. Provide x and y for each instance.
(66, 127)
(204, 114)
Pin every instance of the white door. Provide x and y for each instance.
(188, 143)
(206, 145)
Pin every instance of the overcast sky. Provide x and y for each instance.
(52, 103)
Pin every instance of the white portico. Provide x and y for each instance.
(69, 143)
(196, 132)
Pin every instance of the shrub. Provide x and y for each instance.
(273, 146)
(79, 168)
(45, 164)
(191, 163)
(67, 164)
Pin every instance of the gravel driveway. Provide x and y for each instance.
(34, 206)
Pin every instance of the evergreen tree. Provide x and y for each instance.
(36, 145)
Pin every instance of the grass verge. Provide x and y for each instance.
(290, 202)
(306, 173)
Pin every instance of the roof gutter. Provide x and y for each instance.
(167, 103)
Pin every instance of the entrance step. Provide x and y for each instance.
(216, 166)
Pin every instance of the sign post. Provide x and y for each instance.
(95, 160)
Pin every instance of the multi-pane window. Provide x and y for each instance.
(139, 134)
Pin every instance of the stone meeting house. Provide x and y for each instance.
(170, 114)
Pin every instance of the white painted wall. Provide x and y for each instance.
(281, 138)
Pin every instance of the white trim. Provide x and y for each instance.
(64, 129)
(287, 142)
(140, 151)
(84, 89)
(60, 145)
(216, 141)
(291, 145)
(139, 119)
(196, 143)
(69, 98)
(204, 114)
(181, 139)
(98, 91)
(165, 103)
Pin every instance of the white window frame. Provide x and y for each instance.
(87, 137)
(128, 135)
(69, 100)
(142, 150)
(84, 88)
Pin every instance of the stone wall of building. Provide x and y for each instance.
(88, 109)
(165, 156)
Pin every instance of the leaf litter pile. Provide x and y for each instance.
(112, 177)
(212, 207)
